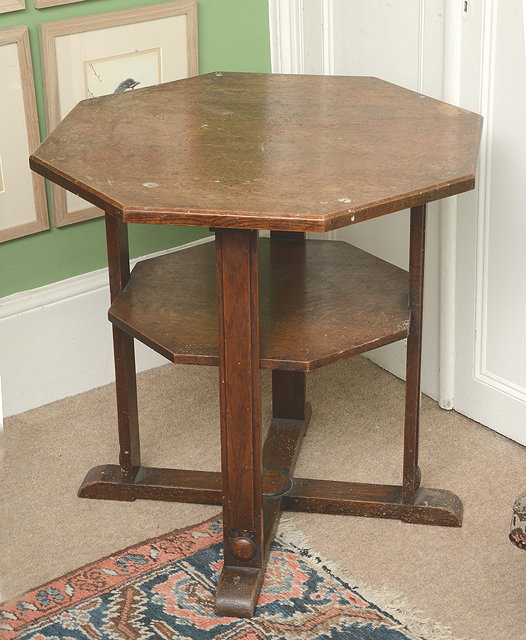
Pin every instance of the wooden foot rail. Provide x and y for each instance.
(431, 506)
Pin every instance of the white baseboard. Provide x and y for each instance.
(55, 341)
(391, 357)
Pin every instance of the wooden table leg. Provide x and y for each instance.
(127, 414)
(241, 457)
(124, 356)
(411, 473)
(288, 395)
(288, 387)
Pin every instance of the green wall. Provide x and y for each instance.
(233, 36)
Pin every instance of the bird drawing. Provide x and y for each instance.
(129, 83)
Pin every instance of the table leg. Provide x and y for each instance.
(411, 473)
(288, 395)
(241, 457)
(124, 356)
(288, 387)
(127, 415)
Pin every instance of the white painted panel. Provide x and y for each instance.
(400, 41)
(491, 234)
(286, 35)
(313, 36)
(60, 350)
(503, 348)
(380, 38)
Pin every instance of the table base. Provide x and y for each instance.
(256, 482)
(432, 506)
(238, 588)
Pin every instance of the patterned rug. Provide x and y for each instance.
(164, 588)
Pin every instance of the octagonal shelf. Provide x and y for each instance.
(320, 301)
(262, 151)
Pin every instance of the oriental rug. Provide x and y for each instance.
(164, 589)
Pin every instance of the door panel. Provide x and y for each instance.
(400, 41)
(491, 300)
(483, 67)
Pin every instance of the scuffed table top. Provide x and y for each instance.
(262, 151)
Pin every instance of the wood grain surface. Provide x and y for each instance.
(320, 301)
(52, 32)
(262, 151)
(11, 5)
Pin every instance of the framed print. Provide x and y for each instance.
(112, 52)
(23, 208)
(11, 5)
(42, 4)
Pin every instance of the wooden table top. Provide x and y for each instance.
(262, 151)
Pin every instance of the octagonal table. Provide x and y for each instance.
(290, 154)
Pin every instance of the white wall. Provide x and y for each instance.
(56, 341)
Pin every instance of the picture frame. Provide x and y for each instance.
(23, 206)
(43, 4)
(11, 5)
(107, 53)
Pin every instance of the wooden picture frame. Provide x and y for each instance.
(90, 56)
(11, 5)
(42, 4)
(23, 206)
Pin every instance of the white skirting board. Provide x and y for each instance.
(55, 341)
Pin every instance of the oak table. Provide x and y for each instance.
(291, 154)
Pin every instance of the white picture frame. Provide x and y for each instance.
(104, 53)
(23, 206)
(12, 5)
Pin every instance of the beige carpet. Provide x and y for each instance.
(471, 579)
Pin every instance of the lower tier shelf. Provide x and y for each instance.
(320, 301)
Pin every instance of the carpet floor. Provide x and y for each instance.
(468, 579)
(164, 589)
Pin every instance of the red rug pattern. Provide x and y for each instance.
(164, 589)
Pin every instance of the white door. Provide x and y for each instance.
(469, 52)
(400, 41)
(491, 260)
